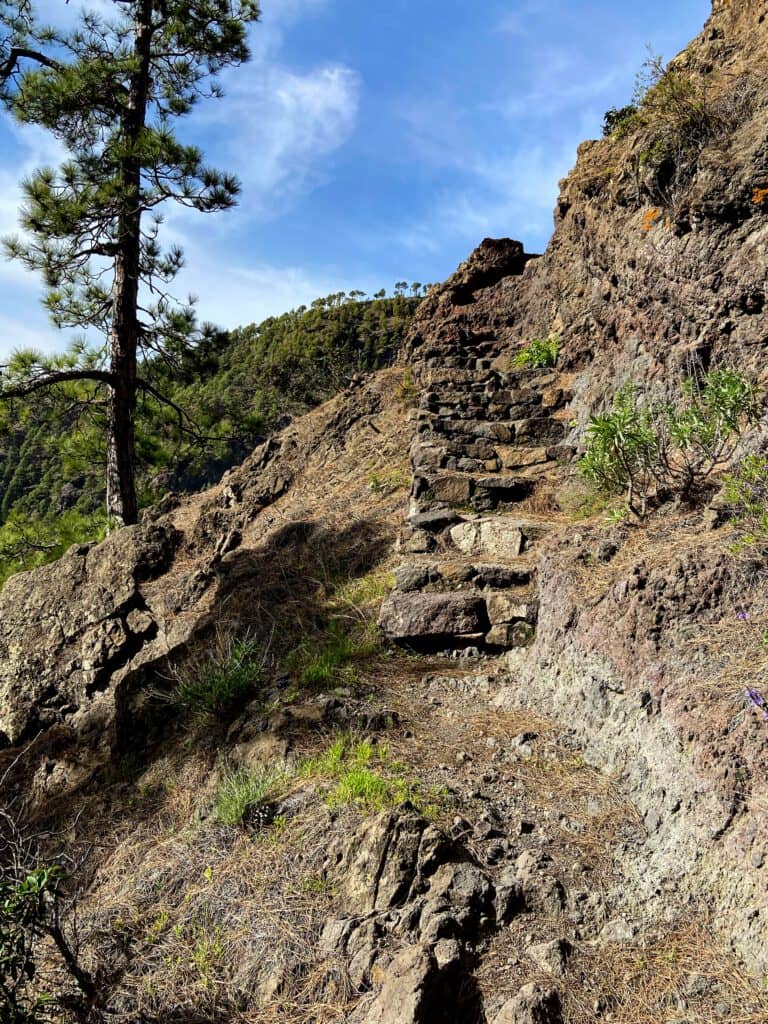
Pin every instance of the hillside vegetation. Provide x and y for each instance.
(234, 388)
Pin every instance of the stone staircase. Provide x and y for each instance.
(486, 441)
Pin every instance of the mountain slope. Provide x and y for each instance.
(555, 811)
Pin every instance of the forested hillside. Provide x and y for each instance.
(230, 391)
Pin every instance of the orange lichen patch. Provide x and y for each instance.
(650, 217)
(759, 196)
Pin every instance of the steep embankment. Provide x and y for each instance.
(556, 812)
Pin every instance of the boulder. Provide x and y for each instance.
(67, 629)
(410, 991)
(551, 957)
(414, 616)
(506, 607)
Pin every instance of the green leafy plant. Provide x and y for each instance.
(745, 491)
(219, 684)
(30, 918)
(619, 120)
(540, 353)
(646, 447)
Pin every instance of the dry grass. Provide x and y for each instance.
(207, 920)
(676, 975)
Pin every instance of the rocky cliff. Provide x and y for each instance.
(552, 808)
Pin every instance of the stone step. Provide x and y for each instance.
(426, 573)
(499, 538)
(433, 620)
(455, 463)
(482, 493)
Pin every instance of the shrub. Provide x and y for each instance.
(541, 352)
(220, 684)
(645, 447)
(31, 928)
(619, 120)
(746, 494)
(675, 115)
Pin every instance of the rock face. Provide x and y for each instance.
(601, 631)
(404, 881)
(80, 638)
(67, 630)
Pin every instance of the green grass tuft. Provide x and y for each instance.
(221, 684)
(241, 790)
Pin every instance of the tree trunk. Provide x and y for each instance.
(122, 506)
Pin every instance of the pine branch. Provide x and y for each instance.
(50, 377)
(19, 52)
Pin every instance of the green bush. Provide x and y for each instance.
(619, 120)
(746, 493)
(540, 353)
(647, 447)
(221, 683)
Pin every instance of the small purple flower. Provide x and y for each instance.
(757, 699)
(743, 615)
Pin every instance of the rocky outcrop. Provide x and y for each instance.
(86, 641)
(67, 631)
(419, 909)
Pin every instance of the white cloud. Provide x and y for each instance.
(522, 22)
(509, 192)
(288, 124)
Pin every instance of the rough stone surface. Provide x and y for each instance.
(489, 538)
(532, 1005)
(68, 629)
(417, 615)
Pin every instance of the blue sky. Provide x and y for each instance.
(379, 141)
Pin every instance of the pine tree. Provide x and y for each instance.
(109, 91)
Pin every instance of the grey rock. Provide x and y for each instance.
(532, 1005)
(68, 630)
(551, 956)
(434, 520)
(618, 930)
(415, 615)
(494, 538)
(504, 607)
(414, 577)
